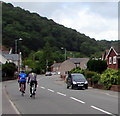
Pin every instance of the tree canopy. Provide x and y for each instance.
(36, 31)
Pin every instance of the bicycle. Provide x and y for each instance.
(33, 91)
(22, 89)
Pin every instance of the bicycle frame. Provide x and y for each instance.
(22, 89)
(33, 90)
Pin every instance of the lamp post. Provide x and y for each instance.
(19, 54)
(65, 51)
(16, 44)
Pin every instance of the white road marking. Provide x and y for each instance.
(42, 87)
(50, 90)
(77, 100)
(12, 104)
(102, 110)
(61, 94)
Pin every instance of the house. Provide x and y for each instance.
(6, 57)
(71, 63)
(113, 58)
(55, 67)
(13, 58)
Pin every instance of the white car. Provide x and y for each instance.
(48, 74)
(53, 73)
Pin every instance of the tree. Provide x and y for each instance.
(97, 65)
(47, 56)
(8, 70)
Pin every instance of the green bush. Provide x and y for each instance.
(8, 70)
(96, 78)
(76, 70)
(109, 78)
(89, 74)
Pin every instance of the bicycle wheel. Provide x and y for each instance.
(22, 89)
(33, 91)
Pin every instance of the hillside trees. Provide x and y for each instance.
(36, 31)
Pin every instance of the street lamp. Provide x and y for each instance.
(20, 39)
(65, 51)
(19, 54)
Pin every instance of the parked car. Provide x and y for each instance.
(48, 74)
(76, 80)
(53, 73)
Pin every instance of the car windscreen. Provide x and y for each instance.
(78, 78)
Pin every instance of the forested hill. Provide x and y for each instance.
(36, 31)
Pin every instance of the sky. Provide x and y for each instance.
(98, 20)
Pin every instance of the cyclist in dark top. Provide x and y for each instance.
(32, 78)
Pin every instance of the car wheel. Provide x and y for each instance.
(86, 87)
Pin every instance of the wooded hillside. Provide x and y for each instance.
(36, 31)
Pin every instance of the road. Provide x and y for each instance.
(53, 97)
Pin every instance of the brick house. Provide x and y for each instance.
(113, 58)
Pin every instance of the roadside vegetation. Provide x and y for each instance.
(8, 70)
(105, 77)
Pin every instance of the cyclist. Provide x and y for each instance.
(32, 78)
(22, 80)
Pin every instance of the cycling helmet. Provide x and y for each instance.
(22, 71)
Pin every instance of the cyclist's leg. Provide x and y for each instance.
(31, 83)
(20, 86)
(35, 85)
(24, 85)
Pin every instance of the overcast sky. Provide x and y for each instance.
(97, 20)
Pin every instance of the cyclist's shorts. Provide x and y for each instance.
(33, 82)
(22, 82)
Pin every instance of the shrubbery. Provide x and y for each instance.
(109, 78)
(8, 70)
(89, 74)
(77, 70)
(96, 78)
(97, 65)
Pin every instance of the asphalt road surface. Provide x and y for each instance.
(52, 97)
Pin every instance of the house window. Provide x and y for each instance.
(114, 60)
(110, 60)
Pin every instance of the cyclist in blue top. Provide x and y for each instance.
(22, 80)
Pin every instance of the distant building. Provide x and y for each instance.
(55, 67)
(6, 57)
(113, 58)
(72, 63)
(13, 58)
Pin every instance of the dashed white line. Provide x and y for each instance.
(51, 90)
(77, 100)
(102, 110)
(73, 98)
(61, 94)
(42, 87)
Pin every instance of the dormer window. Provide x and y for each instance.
(110, 60)
(114, 59)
